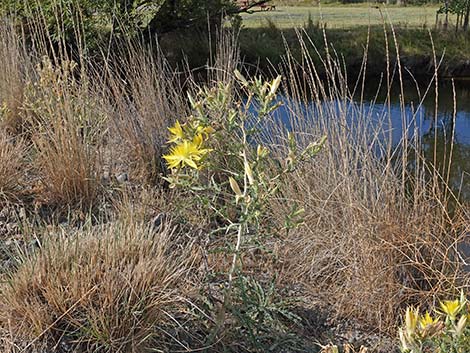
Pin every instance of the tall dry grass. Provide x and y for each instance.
(66, 127)
(13, 166)
(144, 96)
(14, 66)
(378, 233)
(57, 117)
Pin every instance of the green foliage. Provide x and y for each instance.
(457, 7)
(192, 10)
(461, 8)
(259, 311)
(66, 19)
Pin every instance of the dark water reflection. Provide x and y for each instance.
(451, 125)
(446, 132)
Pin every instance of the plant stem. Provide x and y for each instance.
(244, 213)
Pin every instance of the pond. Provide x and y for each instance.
(418, 115)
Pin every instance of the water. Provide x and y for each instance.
(450, 129)
(452, 124)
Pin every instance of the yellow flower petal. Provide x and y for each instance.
(176, 132)
(451, 308)
(427, 320)
(186, 153)
(197, 140)
(411, 320)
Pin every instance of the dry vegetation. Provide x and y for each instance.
(140, 272)
(12, 167)
(106, 287)
(376, 235)
(141, 107)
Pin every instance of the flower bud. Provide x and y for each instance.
(235, 187)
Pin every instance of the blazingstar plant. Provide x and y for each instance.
(444, 331)
(215, 156)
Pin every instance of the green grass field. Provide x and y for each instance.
(343, 16)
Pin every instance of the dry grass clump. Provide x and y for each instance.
(68, 166)
(58, 119)
(144, 97)
(66, 128)
(12, 167)
(364, 249)
(110, 288)
(13, 64)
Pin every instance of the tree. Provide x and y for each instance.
(151, 17)
(61, 17)
(466, 7)
(460, 8)
(176, 14)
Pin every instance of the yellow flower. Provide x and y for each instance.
(197, 140)
(176, 132)
(411, 320)
(451, 308)
(186, 153)
(209, 130)
(427, 320)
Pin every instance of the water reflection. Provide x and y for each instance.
(446, 134)
(445, 130)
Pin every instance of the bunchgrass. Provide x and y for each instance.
(110, 288)
(66, 128)
(13, 165)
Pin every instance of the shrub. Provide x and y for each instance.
(215, 160)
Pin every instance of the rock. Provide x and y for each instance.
(106, 177)
(159, 221)
(122, 178)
